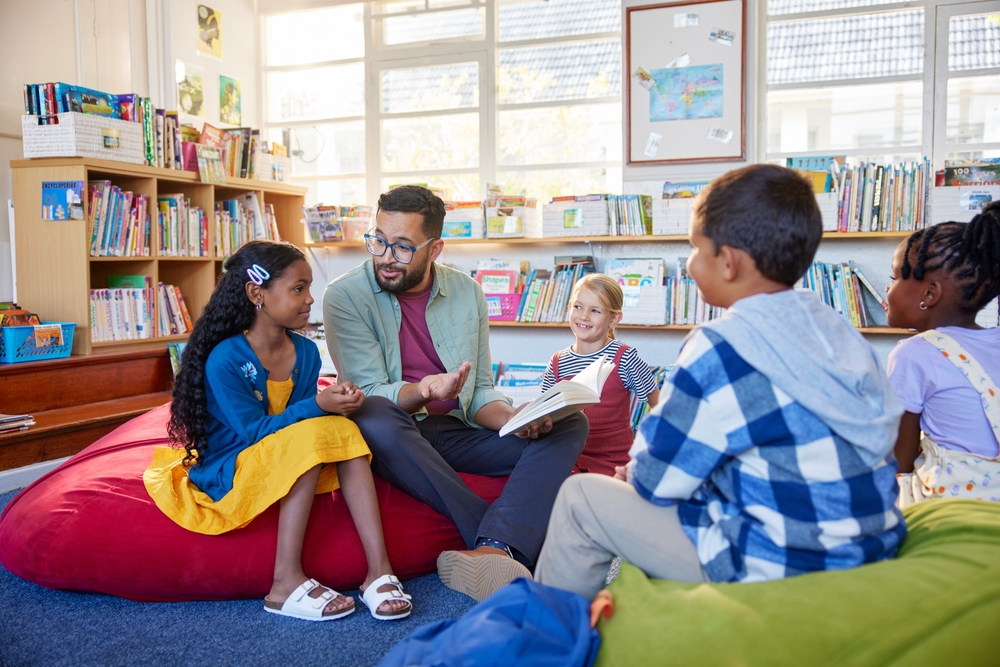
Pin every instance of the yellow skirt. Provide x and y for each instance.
(265, 473)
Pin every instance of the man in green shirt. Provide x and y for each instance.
(414, 336)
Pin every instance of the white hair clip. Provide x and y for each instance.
(257, 274)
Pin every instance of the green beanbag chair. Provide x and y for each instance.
(937, 603)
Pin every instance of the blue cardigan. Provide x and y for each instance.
(236, 388)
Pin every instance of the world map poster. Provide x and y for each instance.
(683, 93)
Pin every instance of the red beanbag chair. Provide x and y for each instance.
(89, 525)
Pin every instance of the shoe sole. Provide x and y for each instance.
(478, 576)
(327, 617)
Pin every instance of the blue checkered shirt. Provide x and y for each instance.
(763, 488)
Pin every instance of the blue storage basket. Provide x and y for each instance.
(18, 344)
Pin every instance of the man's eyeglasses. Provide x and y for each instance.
(401, 252)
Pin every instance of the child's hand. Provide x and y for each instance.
(342, 399)
(621, 472)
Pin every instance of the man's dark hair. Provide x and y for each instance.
(769, 212)
(416, 199)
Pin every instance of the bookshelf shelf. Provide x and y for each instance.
(676, 238)
(672, 327)
(55, 272)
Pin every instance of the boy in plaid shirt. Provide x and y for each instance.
(770, 452)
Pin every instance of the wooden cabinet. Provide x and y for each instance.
(54, 269)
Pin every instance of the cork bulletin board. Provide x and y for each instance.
(686, 64)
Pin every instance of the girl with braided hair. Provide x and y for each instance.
(947, 375)
(254, 432)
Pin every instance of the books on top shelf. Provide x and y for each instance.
(119, 221)
(12, 423)
(597, 215)
(882, 198)
(330, 222)
(512, 217)
(464, 220)
(565, 397)
(672, 212)
(183, 228)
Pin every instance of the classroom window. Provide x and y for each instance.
(452, 93)
(860, 78)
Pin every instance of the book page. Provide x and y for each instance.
(565, 397)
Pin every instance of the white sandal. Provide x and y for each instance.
(372, 598)
(300, 605)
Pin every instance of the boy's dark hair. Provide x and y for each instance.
(968, 251)
(769, 212)
(229, 311)
(416, 199)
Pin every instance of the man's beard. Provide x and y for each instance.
(409, 277)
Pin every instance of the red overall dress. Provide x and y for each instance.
(610, 424)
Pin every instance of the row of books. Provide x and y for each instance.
(547, 292)
(883, 198)
(48, 99)
(846, 289)
(119, 221)
(183, 227)
(240, 220)
(131, 309)
(166, 142)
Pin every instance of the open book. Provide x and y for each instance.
(565, 397)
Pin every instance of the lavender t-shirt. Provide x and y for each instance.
(951, 413)
(416, 349)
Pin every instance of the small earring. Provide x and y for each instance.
(923, 306)
(259, 305)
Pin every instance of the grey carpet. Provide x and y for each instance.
(39, 626)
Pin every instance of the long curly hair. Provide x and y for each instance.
(967, 252)
(229, 312)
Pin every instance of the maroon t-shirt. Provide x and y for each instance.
(416, 349)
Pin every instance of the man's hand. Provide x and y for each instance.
(540, 426)
(444, 386)
(342, 399)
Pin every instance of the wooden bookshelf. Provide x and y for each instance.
(674, 327)
(669, 238)
(55, 271)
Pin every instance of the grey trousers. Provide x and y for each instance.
(423, 458)
(596, 518)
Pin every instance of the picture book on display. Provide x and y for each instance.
(565, 397)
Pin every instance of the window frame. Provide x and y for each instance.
(379, 56)
(935, 76)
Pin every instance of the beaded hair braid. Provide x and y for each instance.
(968, 252)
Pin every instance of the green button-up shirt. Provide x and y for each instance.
(362, 332)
